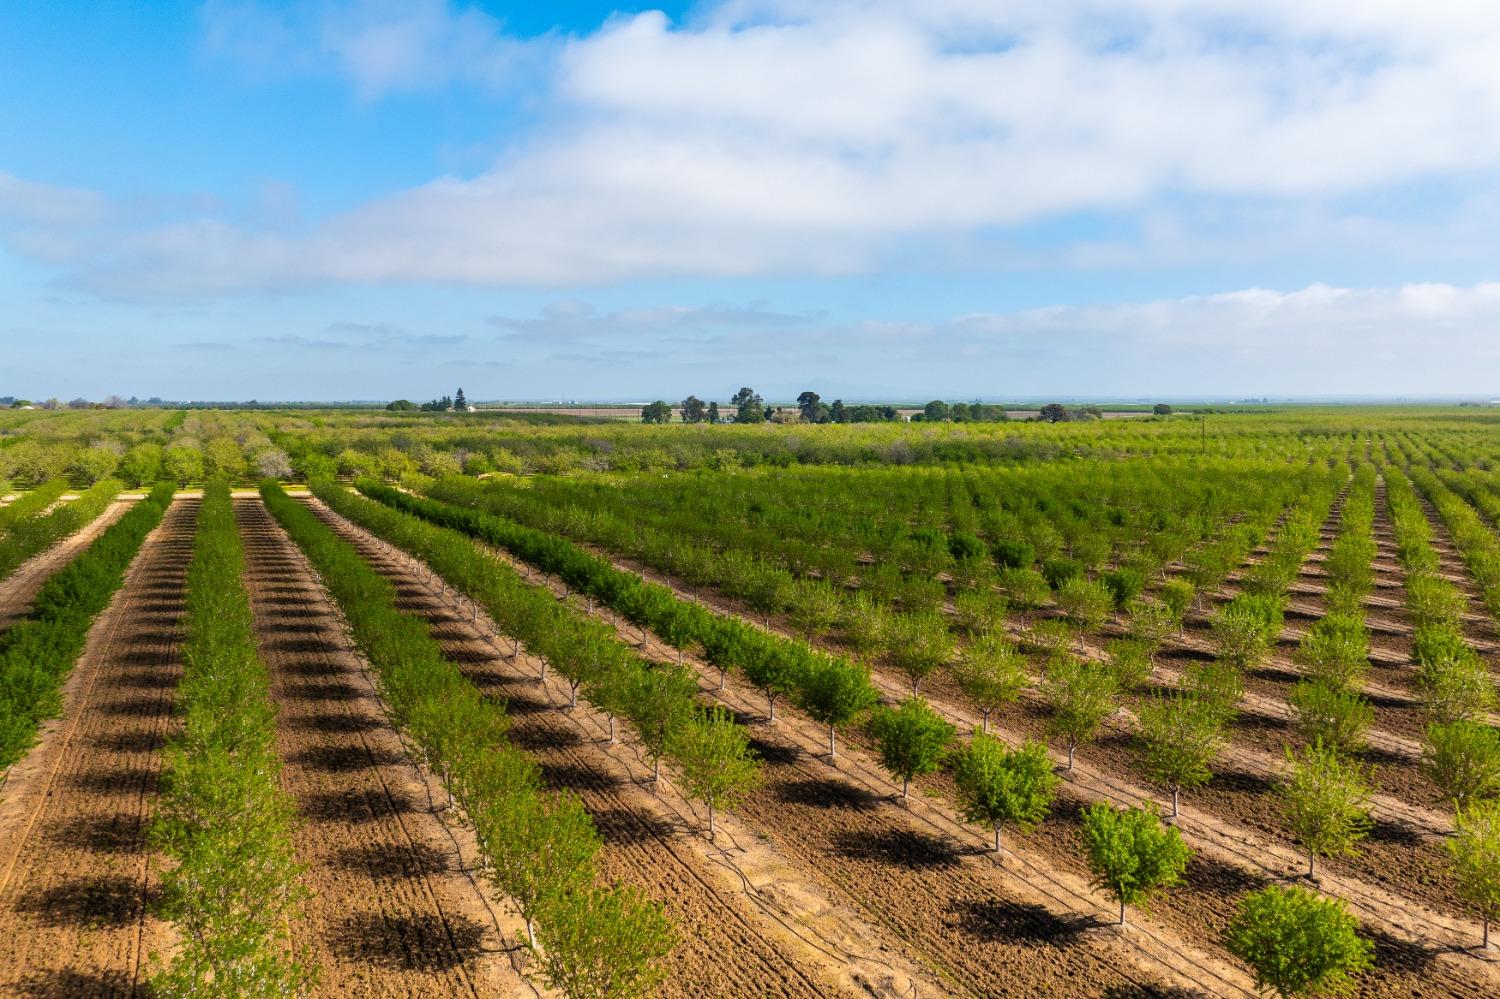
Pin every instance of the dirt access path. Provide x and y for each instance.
(392, 911)
(927, 879)
(75, 874)
(20, 587)
(728, 945)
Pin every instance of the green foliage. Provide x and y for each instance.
(1335, 717)
(835, 692)
(33, 535)
(1151, 621)
(1024, 587)
(1177, 596)
(1131, 853)
(32, 503)
(38, 652)
(1081, 696)
(1129, 661)
(657, 702)
(918, 644)
(997, 785)
(1179, 736)
(1298, 943)
(1336, 651)
(1245, 628)
(1058, 571)
(911, 738)
(1463, 760)
(1087, 602)
(1326, 799)
(1217, 684)
(1125, 585)
(224, 820)
(714, 759)
(991, 673)
(1475, 848)
(979, 611)
(1012, 553)
(605, 943)
(1453, 680)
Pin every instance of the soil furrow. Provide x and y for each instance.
(391, 910)
(76, 876)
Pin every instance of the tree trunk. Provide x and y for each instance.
(531, 933)
(997, 839)
(771, 702)
(1071, 747)
(1311, 859)
(1486, 944)
(723, 676)
(914, 682)
(656, 770)
(1174, 802)
(573, 699)
(710, 819)
(1122, 912)
(679, 657)
(611, 730)
(905, 788)
(985, 728)
(832, 745)
(515, 647)
(542, 678)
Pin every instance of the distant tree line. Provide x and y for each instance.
(447, 404)
(747, 406)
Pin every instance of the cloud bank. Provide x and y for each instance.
(792, 137)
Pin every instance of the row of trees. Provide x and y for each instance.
(539, 845)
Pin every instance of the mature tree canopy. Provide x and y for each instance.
(693, 410)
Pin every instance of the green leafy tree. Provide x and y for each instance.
(749, 407)
(1244, 628)
(1335, 717)
(656, 412)
(539, 845)
(977, 611)
(1336, 651)
(1129, 662)
(1475, 849)
(1217, 683)
(1326, 801)
(1087, 602)
(918, 644)
(604, 943)
(713, 755)
(911, 739)
(774, 673)
(835, 692)
(693, 410)
(658, 700)
(1298, 943)
(1180, 736)
(1463, 760)
(1131, 853)
(997, 785)
(991, 673)
(815, 608)
(1177, 595)
(1025, 589)
(1151, 621)
(1081, 696)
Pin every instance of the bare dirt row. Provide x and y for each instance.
(75, 873)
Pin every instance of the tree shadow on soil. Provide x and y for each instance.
(772, 753)
(827, 794)
(577, 776)
(1019, 922)
(136, 707)
(540, 738)
(117, 780)
(87, 903)
(1247, 721)
(142, 740)
(368, 805)
(1152, 991)
(327, 690)
(421, 943)
(80, 984)
(901, 847)
(1386, 831)
(624, 827)
(101, 834)
(344, 759)
(393, 861)
(339, 724)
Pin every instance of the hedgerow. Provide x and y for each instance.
(36, 534)
(538, 845)
(224, 819)
(37, 653)
(32, 503)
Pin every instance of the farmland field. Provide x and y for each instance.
(361, 703)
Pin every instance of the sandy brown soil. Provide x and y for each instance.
(392, 910)
(21, 586)
(1022, 931)
(75, 874)
(1237, 827)
(726, 947)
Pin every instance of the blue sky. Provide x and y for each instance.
(371, 198)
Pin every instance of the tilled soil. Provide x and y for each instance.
(20, 587)
(721, 949)
(75, 874)
(392, 911)
(942, 895)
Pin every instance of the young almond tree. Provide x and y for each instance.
(1081, 696)
(658, 701)
(1336, 717)
(918, 645)
(604, 943)
(1326, 799)
(834, 692)
(815, 608)
(1476, 860)
(1152, 621)
(997, 785)
(539, 844)
(1088, 603)
(912, 739)
(714, 758)
(1298, 943)
(774, 673)
(1132, 854)
(1180, 736)
(991, 673)
(1463, 760)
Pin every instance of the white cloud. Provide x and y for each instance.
(799, 137)
(28, 202)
